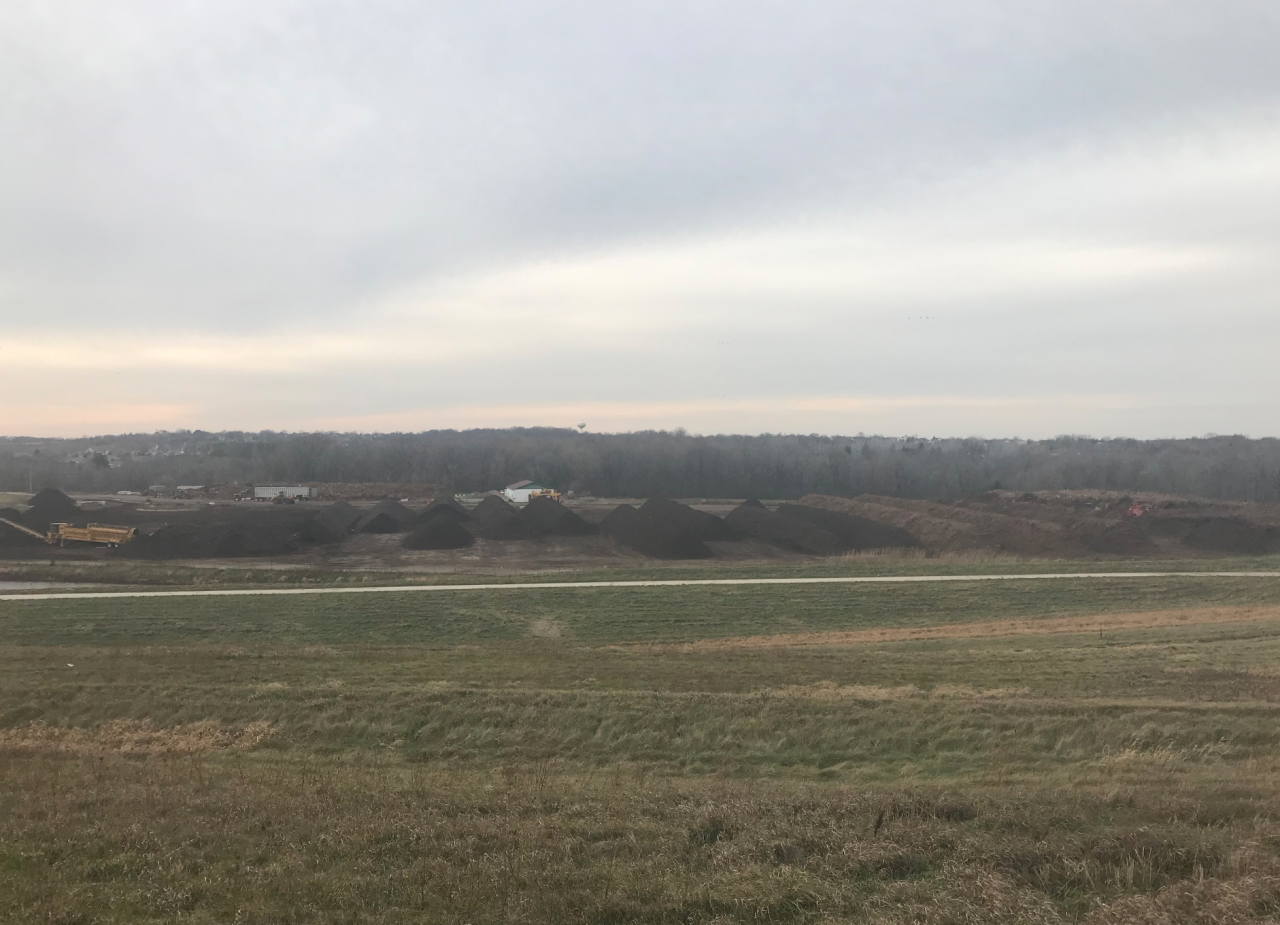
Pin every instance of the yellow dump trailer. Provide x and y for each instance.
(94, 533)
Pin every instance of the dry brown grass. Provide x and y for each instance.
(133, 737)
(1044, 626)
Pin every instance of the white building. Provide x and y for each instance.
(519, 492)
(267, 492)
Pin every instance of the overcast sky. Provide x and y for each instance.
(933, 217)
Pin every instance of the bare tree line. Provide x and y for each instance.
(650, 463)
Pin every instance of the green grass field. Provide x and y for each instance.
(625, 755)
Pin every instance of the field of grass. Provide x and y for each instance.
(631, 755)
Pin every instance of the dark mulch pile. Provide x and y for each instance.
(9, 536)
(652, 536)
(853, 532)
(698, 524)
(447, 501)
(551, 518)
(206, 540)
(492, 506)
(387, 516)
(51, 506)
(495, 519)
(444, 507)
(441, 532)
(330, 524)
(790, 532)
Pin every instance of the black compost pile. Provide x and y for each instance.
(441, 507)
(330, 524)
(658, 537)
(440, 532)
(781, 530)
(11, 536)
(210, 540)
(387, 516)
(698, 524)
(852, 531)
(51, 506)
(495, 519)
(449, 502)
(551, 518)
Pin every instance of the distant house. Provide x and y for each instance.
(519, 492)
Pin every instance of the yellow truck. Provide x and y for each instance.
(59, 534)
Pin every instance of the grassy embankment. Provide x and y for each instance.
(629, 755)
(121, 573)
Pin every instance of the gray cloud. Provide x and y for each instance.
(199, 170)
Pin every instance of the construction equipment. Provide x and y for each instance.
(59, 534)
(544, 493)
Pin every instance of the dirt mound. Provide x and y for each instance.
(53, 501)
(330, 524)
(492, 505)
(381, 523)
(387, 516)
(12, 537)
(52, 506)
(204, 541)
(852, 531)
(450, 502)
(968, 527)
(752, 502)
(338, 517)
(494, 519)
(700, 525)
(1231, 535)
(440, 532)
(780, 530)
(551, 518)
(658, 537)
(442, 508)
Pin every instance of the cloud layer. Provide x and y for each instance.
(945, 218)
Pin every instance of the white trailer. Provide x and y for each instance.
(271, 492)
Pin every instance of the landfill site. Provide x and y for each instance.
(445, 533)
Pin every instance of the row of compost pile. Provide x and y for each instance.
(233, 539)
(700, 525)
(660, 537)
(495, 519)
(853, 532)
(1078, 523)
(754, 519)
(330, 524)
(551, 518)
(387, 516)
